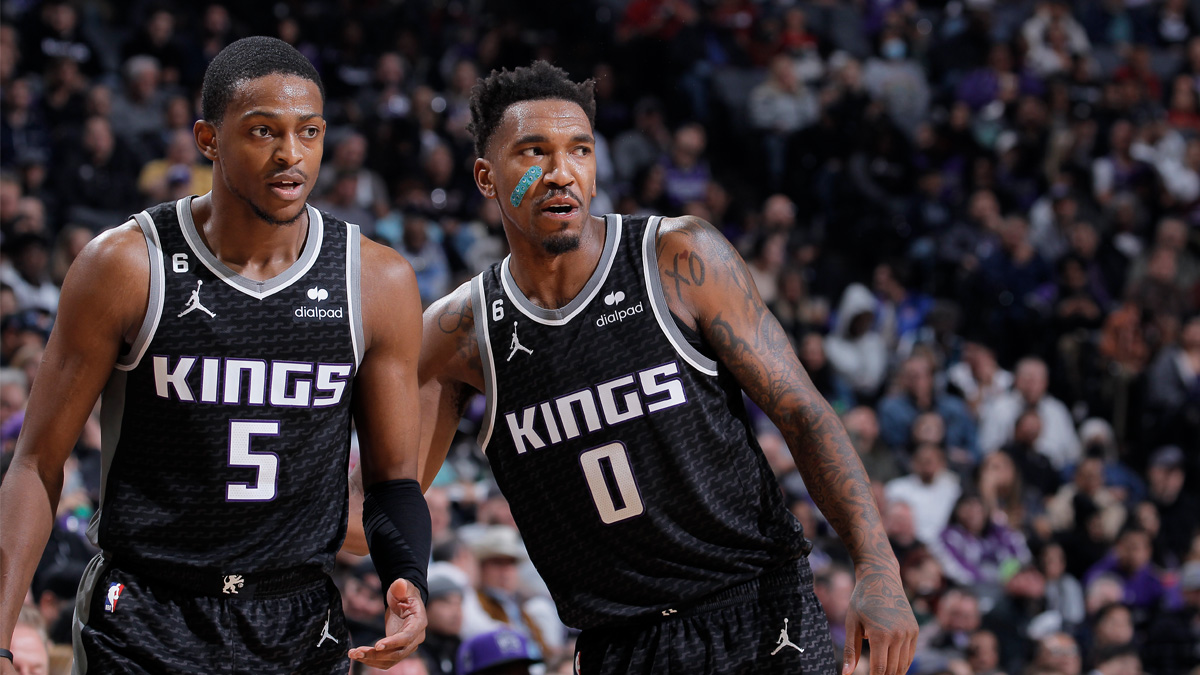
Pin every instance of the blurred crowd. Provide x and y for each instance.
(978, 220)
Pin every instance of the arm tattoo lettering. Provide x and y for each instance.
(692, 276)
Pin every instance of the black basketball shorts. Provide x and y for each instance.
(140, 623)
(769, 625)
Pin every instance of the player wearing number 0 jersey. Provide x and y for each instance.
(234, 337)
(612, 351)
(625, 452)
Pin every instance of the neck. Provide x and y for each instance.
(247, 244)
(550, 280)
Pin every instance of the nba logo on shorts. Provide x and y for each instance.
(114, 594)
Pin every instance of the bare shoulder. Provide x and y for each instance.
(391, 302)
(120, 251)
(451, 350)
(111, 276)
(384, 269)
(693, 258)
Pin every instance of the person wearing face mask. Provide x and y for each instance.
(898, 81)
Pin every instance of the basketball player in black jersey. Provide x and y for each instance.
(613, 351)
(235, 336)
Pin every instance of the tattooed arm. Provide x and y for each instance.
(708, 286)
(449, 373)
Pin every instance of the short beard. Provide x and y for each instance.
(558, 244)
(263, 215)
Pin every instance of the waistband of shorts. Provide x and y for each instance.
(789, 576)
(229, 585)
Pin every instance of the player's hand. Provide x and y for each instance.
(404, 624)
(879, 612)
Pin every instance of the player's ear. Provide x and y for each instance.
(206, 139)
(483, 178)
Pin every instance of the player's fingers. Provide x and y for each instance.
(912, 651)
(410, 633)
(854, 638)
(895, 647)
(384, 658)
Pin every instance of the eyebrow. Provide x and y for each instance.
(538, 138)
(271, 115)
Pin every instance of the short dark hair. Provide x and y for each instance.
(247, 59)
(493, 95)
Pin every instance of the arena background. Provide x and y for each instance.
(978, 220)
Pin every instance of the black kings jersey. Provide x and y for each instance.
(624, 452)
(226, 427)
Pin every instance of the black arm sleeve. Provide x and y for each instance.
(399, 534)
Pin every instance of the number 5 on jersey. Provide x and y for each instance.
(267, 463)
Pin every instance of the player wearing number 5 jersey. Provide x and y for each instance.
(235, 336)
(618, 434)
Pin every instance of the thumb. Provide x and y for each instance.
(398, 593)
(854, 640)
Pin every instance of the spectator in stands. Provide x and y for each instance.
(23, 132)
(978, 550)
(1064, 594)
(828, 381)
(855, 348)
(99, 182)
(778, 108)
(26, 270)
(1057, 653)
(156, 38)
(1170, 645)
(499, 551)
(956, 619)
(644, 144)
(443, 636)
(179, 173)
(1036, 471)
(913, 393)
(1129, 559)
(931, 490)
(1178, 511)
(30, 647)
(1087, 482)
(56, 32)
(137, 109)
(350, 159)
(687, 173)
(1173, 389)
(499, 652)
(1058, 440)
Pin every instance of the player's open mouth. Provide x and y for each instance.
(287, 189)
(560, 209)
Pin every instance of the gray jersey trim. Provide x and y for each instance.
(479, 300)
(255, 289)
(154, 304)
(658, 303)
(112, 416)
(564, 314)
(354, 290)
(83, 608)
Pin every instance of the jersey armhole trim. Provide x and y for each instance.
(157, 295)
(487, 363)
(658, 303)
(354, 291)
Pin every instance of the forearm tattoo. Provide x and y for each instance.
(750, 342)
